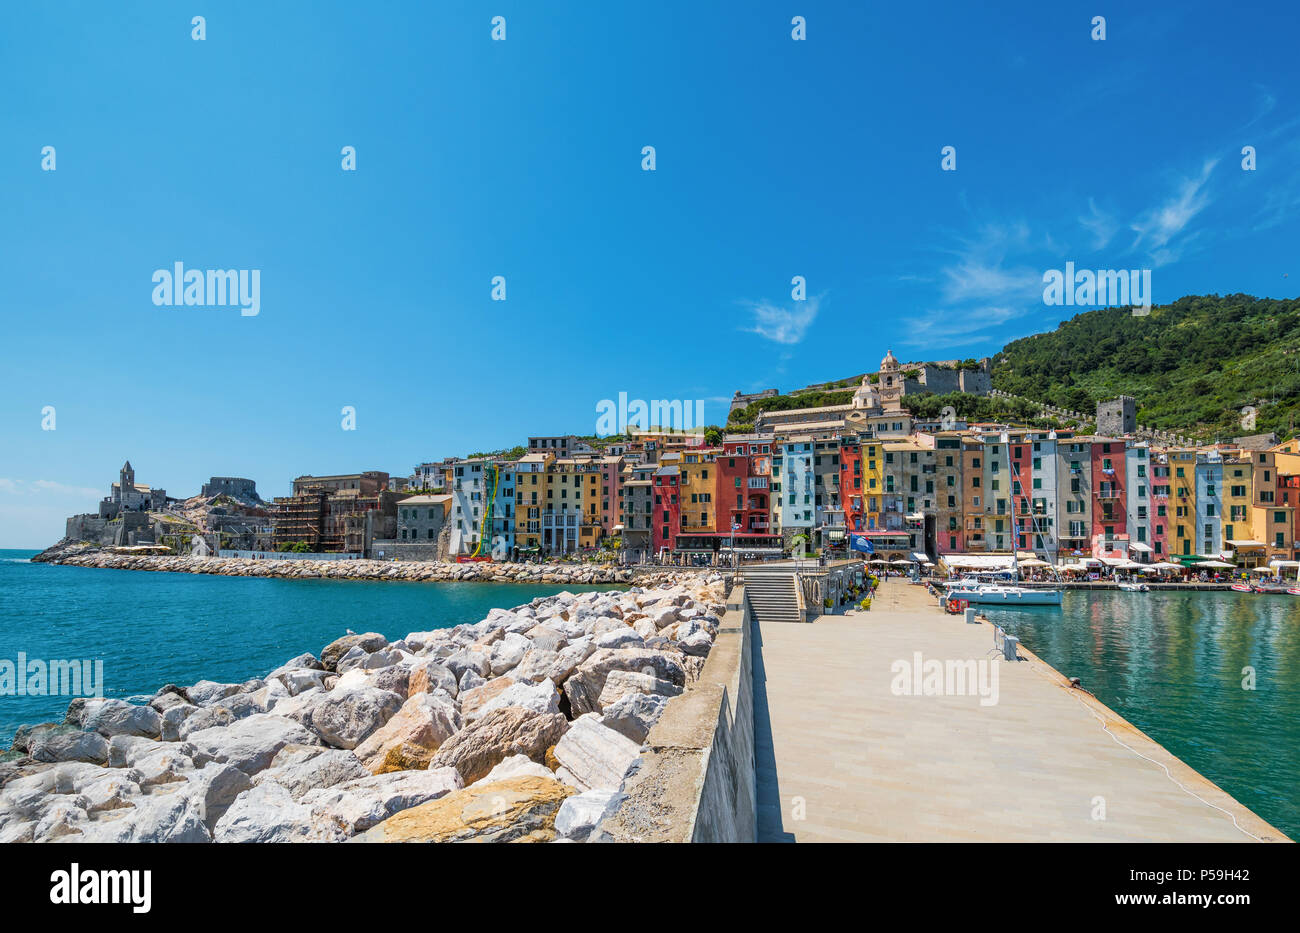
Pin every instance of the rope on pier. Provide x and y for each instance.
(1232, 816)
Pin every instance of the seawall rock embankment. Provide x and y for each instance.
(524, 726)
(409, 571)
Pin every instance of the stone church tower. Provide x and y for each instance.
(891, 383)
(126, 481)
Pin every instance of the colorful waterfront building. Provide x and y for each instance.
(1238, 502)
(1271, 520)
(1043, 496)
(1160, 481)
(1139, 503)
(638, 513)
(1209, 503)
(828, 501)
(1074, 496)
(666, 506)
(973, 495)
(530, 499)
(744, 485)
(698, 482)
(793, 509)
(873, 481)
(998, 516)
(851, 480)
(1110, 536)
(947, 490)
(1182, 501)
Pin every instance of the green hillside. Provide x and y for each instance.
(1192, 365)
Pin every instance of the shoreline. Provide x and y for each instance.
(375, 570)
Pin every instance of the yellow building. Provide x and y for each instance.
(530, 499)
(873, 482)
(1272, 521)
(698, 481)
(1237, 498)
(1182, 502)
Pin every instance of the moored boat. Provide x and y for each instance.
(1242, 588)
(996, 593)
(1135, 587)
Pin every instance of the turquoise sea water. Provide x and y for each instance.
(154, 628)
(1172, 664)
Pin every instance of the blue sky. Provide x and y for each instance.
(522, 158)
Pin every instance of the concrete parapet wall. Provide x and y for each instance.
(696, 779)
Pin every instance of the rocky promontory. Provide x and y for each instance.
(82, 555)
(521, 727)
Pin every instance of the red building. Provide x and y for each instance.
(1288, 496)
(666, 508)
(743, 489)
(1021, 457)
(1109, 501)
(851, 492)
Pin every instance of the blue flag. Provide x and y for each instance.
(861, 543)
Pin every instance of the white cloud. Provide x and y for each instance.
(1160, 225)
(782, 325)
(1101, 224)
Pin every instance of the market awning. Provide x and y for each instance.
(1245, 543)
(1138, 546)
(921, 558)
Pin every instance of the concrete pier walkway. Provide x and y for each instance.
(842, 758)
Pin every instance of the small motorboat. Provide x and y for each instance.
(1293, 590)
(1279, 588)
(1135, 588)
(1242, 588)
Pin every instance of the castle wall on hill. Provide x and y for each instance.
(89, 527)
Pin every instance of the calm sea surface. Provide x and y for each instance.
(154, 628)
(1174, 664)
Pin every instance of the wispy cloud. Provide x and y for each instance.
(1159, 226)
(784, 325)
(1100, 224)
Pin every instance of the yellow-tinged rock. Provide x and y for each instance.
(404, 757)
(520, 809)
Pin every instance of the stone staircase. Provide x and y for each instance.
(773, 594)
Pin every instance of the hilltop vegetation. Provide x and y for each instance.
(742, 419)
(976, 408)
(1192, 365)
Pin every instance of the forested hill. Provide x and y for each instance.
(1192, 365)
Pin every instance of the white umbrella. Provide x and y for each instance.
(1034, 562)
(903, 563)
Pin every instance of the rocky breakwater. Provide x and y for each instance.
(521, 727)
(79, 555)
